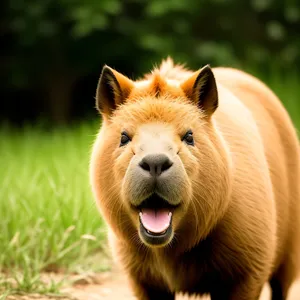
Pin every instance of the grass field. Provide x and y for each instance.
(48, 218)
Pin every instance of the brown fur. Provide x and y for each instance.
(238, 226)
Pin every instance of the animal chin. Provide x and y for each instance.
(156, 220)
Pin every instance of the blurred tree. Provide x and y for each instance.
(55, 42)
(51, 49)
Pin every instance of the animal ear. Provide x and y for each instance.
(201, 89)
(113, 88)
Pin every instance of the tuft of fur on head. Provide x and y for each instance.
(169, 71)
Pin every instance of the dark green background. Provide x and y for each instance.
(52, 51)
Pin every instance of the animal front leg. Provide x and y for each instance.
(148, 291)
(249, 289)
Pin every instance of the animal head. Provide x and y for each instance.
(160, 170)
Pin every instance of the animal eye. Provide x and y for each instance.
(188, 138)
(125, 139)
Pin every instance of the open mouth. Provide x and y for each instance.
(156, 220)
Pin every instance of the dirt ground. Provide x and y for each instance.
(113, 286)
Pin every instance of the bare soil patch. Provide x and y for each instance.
(113, 286)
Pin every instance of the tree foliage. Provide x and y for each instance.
(59, 41)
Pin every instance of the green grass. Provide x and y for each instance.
(48, 218)
(286, 86)
(289, 92)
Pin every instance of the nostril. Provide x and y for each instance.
(166, 165)
(144, 165)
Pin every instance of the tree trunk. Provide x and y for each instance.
(59, 83)
(59, 90)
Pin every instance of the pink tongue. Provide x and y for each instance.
(156, 221)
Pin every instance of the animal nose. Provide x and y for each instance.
(155, 164)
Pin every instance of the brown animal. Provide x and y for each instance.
(197, 175)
